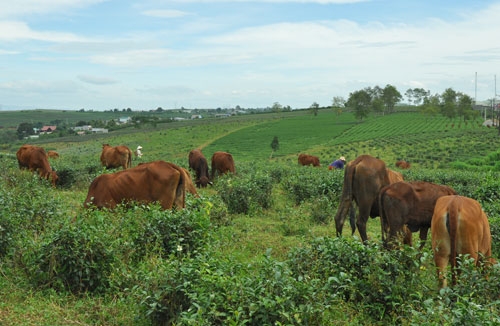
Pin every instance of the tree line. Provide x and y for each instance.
(450, 103)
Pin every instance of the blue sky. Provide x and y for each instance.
(105, 54)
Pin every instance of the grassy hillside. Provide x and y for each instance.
(257, 248)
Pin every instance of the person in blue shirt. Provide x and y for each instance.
(337, 164)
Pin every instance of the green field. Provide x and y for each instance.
(258, 248)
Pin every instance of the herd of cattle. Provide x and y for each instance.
(458, 224)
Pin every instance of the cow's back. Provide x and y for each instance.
(157, 181)
(459, 226)
(222, 162)
(114, 157)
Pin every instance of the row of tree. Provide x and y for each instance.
(450, 103)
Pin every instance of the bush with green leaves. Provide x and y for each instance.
(242, 194)
(77, 257)
(171, 231)
(305, 183)
(28, 206)
(216, 290)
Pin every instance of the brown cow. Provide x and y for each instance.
(34, 158)
(409, 204)
(52, 154)
(459, 226)
(222, 162)
(363, 179)
(403, 164)
(198, 163)
(157, 181)
(114, 157)
(305, 159)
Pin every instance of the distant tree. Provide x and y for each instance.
(287, 108)
(360, 102)
(314, 108)
(464, 107)
(159, 109)
(275, 145)
(338, 103)
(431, 105)
(378, 105)
(129, 110)
(390, 97)
(449, 103)
(24, 130)
(276, 107)
(81, 123)
(417, 95)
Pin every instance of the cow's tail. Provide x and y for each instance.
(381, 207)
(180, 191)
(129, 160)
(346, 201)
(452, 227)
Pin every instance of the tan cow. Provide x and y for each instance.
(114, 157)
(52, 154)
(157, 181)
(459, 226)
(403, 164)
(222, 163)
(305, 159)
(363, 179)
(34, 158)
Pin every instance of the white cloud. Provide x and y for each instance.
(165, 13)
(17, 30)
(28, 7)
(96, 80)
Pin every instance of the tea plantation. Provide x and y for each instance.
(256, 248)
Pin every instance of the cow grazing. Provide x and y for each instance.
(34, 158)
(114, 157)
(222, 163)
(409, 204)
(157, 181)
(459, 226)
(52, 154)
(198, 163)
(305, 159)
(363, 179)
(403, 164)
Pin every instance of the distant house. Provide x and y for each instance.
(196, 116)
(99, 130)
(47, 129)
(82, 128)
(123, 120)
(179, 119)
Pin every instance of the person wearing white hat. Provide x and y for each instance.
(337, 164)
(138, 151)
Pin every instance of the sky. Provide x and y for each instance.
(107, 54)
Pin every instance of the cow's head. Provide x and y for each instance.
(203, 182)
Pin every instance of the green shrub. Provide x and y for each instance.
(305, 183)
(76, 258)
(171, 231)
(243, 194)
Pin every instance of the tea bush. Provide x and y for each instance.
(304, 183)
(76, 258)
(242, 194)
